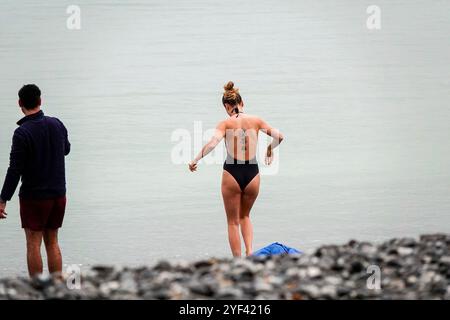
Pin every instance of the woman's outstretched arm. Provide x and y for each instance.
(276, 135)
(207, 148)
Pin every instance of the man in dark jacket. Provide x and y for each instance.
(39, 147)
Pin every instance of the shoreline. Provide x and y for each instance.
(400, 268)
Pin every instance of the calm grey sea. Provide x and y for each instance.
(365, 114)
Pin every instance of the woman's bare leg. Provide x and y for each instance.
(248, 198)
(231, 193)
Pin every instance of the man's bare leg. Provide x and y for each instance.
(34, 259)
(54, 257)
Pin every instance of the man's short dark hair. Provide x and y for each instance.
(30, 96)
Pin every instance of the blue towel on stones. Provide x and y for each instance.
(275, 249)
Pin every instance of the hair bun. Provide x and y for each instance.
(231, 95)
(229, 86)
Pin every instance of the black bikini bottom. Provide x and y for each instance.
(242, 171)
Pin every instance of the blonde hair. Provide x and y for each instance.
(231, 95)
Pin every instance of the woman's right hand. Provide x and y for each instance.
(269, 156)
(193, 166)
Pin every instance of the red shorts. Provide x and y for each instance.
(38, 215)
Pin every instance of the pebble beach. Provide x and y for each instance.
(401, 268)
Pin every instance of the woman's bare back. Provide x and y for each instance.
(241, 136)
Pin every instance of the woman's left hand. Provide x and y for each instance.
(269, 156)
(193, 166)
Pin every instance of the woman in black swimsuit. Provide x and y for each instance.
(240, 179)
